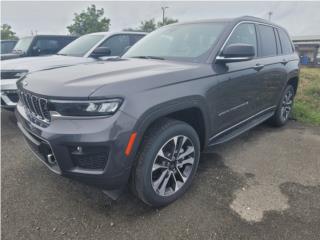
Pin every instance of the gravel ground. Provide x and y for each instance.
(264, 184)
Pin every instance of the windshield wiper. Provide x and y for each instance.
(61, 54)
(149, 57)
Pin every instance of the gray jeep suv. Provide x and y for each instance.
(144, 118)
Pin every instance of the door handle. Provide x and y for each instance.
(284, 61)
(258, 66)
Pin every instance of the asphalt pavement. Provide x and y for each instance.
(264, 184)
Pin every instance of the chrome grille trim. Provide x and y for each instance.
(36, 106)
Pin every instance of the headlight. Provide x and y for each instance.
(85, 108)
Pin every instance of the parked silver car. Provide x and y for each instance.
(88, 48)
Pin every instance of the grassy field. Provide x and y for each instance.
(307, 101)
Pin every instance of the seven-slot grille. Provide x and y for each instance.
(37, 106)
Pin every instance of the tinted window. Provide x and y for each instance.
(185, 42)
(135, 38)
(80, 46)
(6, 47)
(46, 46)
(64, 41)
(244, 33)
(285, 42)
(117, 44)
(268, 41)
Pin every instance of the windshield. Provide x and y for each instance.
(186, 42)
(23, 44)
(80, 46)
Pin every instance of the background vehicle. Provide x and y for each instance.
(38, 45)
(145, 117)
(7, 46)
(87, 48)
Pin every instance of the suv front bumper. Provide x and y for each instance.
(91, 150)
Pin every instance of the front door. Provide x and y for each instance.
(238, 86)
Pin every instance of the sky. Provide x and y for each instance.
(52, 17)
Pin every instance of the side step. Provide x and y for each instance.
(232, 133)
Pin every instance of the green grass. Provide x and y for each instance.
(307, 101)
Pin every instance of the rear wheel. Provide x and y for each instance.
(166, 163)
(284, 108)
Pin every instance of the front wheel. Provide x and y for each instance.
(167, 162)
(284, 108)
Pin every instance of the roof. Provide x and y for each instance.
(232, 20)
(50, 35)
(306, 43)
(315, 38)
(9, 40)
(119, 32)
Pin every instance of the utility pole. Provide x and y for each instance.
(270, 14)
(163, 12)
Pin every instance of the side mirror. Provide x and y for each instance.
(101, 52)
(236, 53)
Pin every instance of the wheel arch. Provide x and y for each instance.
(294, 82)
(177, 109)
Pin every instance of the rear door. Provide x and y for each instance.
(272, 73)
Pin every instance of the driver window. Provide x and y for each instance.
(245, 33)
(117, 44)
(46, 46)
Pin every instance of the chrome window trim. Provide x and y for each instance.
(252, 22)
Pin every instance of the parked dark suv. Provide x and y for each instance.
(38, 45)
(144, 118)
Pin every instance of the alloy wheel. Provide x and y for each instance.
(173, 165)
(286, 105)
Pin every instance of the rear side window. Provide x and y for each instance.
(135, 38)
(117, 44)
(285, 42)
(244, 33)
(47, 46)
(268, 41)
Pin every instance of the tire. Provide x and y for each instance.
(284, 108)
(157, 179)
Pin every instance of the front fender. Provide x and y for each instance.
(166, 108)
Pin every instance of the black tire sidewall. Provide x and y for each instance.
(149, 195)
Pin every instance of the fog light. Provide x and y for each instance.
(89, 157)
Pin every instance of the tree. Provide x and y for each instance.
(147, 26)
(89, 21)
(167, 21)
(7, 33)
(151, 25)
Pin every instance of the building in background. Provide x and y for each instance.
(308, 48)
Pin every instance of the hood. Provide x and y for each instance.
(111, 78)
(10, 56)
(42, 63)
